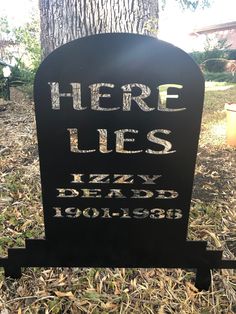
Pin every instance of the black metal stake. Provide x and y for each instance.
(203, 279)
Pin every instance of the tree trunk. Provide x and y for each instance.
(65, 20)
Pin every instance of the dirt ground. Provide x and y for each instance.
(163, 291)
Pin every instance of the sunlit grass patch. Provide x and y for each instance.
(218, 86)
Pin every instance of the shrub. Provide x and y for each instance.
(198, 56)
(27, 59)
(22, 77)
(215, 65)
(232, 54)
(220, 77)
(201, 56)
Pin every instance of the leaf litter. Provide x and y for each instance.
(119, 290)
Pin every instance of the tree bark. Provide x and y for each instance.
(65, 20)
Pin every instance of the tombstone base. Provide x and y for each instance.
(43, 253)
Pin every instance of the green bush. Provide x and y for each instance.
(220, 77)
(22, 73)
(201, 56)
(27, 59)
(22, 77)
(198, 56)
(215, 65)
(232, 54)
(2, 87)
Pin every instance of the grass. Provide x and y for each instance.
(96, 290)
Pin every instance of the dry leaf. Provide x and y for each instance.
(215, 238)
(61, 294)
(191, 290)
(161, 310)
(117, 289)
(108, 306)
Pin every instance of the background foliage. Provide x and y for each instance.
(28, 57)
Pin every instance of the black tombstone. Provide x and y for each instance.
(118, 120)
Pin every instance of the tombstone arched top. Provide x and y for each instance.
(107, 55)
